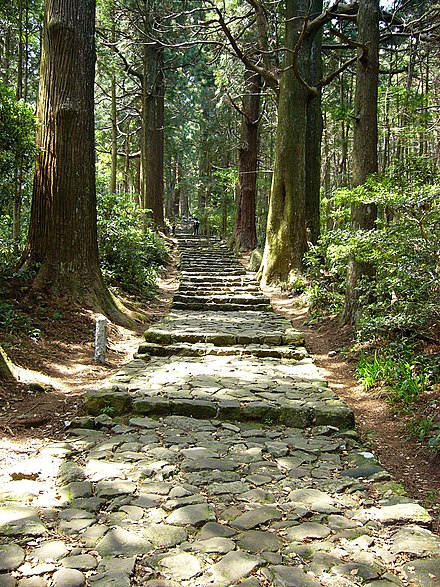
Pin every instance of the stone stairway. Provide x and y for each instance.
(212, 279)
(222, 353)
(217, 457)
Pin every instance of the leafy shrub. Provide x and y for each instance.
(131, 252)
(401, 370)
(13, 322)
(404, 296)
(17, 141)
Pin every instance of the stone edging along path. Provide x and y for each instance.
(218, 456)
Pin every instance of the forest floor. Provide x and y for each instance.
(52, 345)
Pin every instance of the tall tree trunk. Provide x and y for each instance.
(63, 231)
(245, 232)
(114, 141)
(177, 191)
(153, 133)
(314, 136)
(286, 237)
(204, 170)
(365, 137)
(113, 115)
(16, 212)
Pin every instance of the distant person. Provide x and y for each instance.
(173, 229)
(196, 226)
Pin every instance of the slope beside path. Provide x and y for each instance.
(218, 456)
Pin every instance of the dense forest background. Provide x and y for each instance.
(306, 131)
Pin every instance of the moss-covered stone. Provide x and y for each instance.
(156, 406)
(157, 336)
(194, 409)
(97, 400)
(333, 414)
(295, 416)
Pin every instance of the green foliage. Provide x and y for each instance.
(8, 254)
(13, 322)
(404, 297)
(403, 379)
(131, 252)
(403, 374)
(17, 141)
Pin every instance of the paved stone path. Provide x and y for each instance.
(218, 456)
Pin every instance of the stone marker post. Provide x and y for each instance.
(100, 339)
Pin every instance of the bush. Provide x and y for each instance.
(131, 253)
(404, 296)
(17, 142)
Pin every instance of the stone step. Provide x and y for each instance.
(219, 291)
(238, 388)
(243, 279)
(198, 349)
(237, 328)
(207, 259)
(209, 298)
(221, 307)
(202, 272)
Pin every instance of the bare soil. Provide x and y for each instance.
(55, 364)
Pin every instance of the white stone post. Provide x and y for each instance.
(100, 339)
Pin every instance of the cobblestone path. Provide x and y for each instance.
(218, 456)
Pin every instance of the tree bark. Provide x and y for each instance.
(63, 229)
(286, 237)
(153, 133)
(314, 135)
(113, 114)
(365, 138)
(177, 192)
(245, 231)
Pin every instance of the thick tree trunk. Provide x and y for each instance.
(286, 237)
(314, 136)
(113, 113)
(63, 232)
(153, 134)
(204, 169)
(245, 232)
(365, 137)
(114, 143)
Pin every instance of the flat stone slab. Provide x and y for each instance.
(191, 515)
(256, 517)
(11, 557)
(416, 541)
(395, 514)
(180, 566)
(233, 567)
(20, 520)
(123, 543)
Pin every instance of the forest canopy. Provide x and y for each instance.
(307, 129)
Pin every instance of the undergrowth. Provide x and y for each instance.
(400, 317)
(132, 254)
(409, 381)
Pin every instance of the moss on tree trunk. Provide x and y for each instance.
(6, 367)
